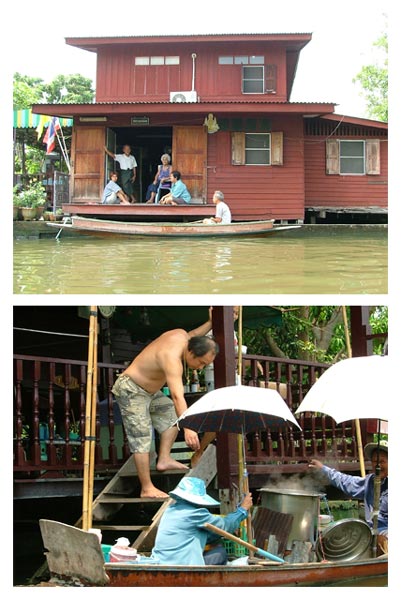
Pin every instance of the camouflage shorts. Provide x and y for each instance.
(142, 411)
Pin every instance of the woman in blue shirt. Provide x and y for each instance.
(181, 536)
(179, 192)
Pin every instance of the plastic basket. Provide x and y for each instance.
(344, 509)
(234, 549)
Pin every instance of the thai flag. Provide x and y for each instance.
(50, 135)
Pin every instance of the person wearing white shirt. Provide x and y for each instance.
(128, 167)
(223, 213)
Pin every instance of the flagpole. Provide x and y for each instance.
(65, 153)
(63, 148)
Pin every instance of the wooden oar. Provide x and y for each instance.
(238, 540)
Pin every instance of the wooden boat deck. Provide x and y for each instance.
(159, 212)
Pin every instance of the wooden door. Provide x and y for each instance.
(111, 145)
(190, 158)
(88, 163)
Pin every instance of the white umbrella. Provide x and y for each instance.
(238, 409)
(354, 388)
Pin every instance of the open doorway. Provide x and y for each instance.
(147, 145)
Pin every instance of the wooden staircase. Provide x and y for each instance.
(123, 490)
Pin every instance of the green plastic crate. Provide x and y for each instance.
(235, 549)
(344, 509)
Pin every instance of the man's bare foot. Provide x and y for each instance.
(170, 464)
(153, 492)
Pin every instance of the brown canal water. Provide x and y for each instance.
(317, 259)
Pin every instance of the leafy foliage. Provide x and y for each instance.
(374, 82)
(31, 197)
(312, 333)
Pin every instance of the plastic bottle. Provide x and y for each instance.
(194, 382)
(209, 377)
(122, 552)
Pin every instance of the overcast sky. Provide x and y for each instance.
(343, 34)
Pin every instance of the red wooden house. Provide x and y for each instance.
(221, 105)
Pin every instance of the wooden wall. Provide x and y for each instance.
(342, 191)
(120, 80)
(278, 189)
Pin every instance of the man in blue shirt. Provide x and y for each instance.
(362, 488)
(112, 193)
(179, 192)
(181, 536)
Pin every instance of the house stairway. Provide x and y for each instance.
(119, 511)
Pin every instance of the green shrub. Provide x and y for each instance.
(31, 197)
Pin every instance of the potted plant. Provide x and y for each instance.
(30, 199)
(16, 203)
(59, 214)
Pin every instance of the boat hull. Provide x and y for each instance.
(367, 573)
(123, 228)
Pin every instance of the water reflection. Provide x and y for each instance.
(321, 260)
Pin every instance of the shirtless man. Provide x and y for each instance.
(143, 405)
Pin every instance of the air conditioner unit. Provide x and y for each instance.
(183, 96)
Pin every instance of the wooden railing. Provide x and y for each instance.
(49, 419)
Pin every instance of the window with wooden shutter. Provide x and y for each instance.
(277, 148)
(372, 150)
(257, 148)
(332, 157)
(271, 79)
(237, 148)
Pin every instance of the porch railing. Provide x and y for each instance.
(49, 419)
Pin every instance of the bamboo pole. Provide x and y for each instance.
(88, 408)
(92, 444)
(242, 468)
(357, 422)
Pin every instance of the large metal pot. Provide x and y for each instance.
(303, 506)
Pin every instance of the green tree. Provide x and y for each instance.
(374, 82)
(313, 333)
(69, 89)
(27, 91)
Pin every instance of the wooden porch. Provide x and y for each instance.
(49, 425)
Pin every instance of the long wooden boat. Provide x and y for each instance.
(76, 555)
(194, 229)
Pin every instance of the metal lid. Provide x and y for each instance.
(344, 540)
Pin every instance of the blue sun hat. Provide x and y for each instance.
(193, 489)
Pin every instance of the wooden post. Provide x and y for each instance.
(224, 375)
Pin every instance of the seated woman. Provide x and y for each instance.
(113, 193)
(162, 178)
(181, 537)
(179, 192)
